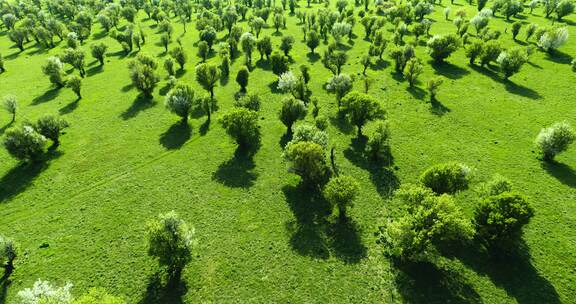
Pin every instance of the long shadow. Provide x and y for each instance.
(21, 177)
(437, 108)
(69, 108)
(176, 136)
(512, 271)
(264, 65)
(313, 57)
(562, 172)
(381, 175)
(425, 282)
(416, 92)
(274, 87)
(237, 172)
(313, 235)
(158, 291)
(4, 284)
(47, 96)
(141, 103)
(95, 70)
(380, 64)
(449, 70)
(342, 124)
(509, 85)
(559, 57)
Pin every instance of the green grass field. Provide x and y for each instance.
(261, 238)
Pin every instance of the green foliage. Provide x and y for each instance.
(249, 101)
(429, 221)
(321, 122)
(498, 184)
(361, 108)
(564, 8)
(242, 78)
(8, 253)
(207, 76)
(10, 104)
(432, 86)
(490, 52)
(75, 83)
(307, 160)
(291, 111)
(279, 63)
(554, 139)
(312, 40)
(441, 47)
(143, 74)
(24, 144)
(446, 178)
(511, 61)
(98, 296)
(340, 85)
(170, 241)
(378, 145)
(341, 191)
(308, 133)
(179, 55)
(474, 50)
(99, 52)
(500, 218)
(180, 100)
(413, 69)
(53, 69)
(264, 46)
(242, 125)
(286, 44)
(51, 127)
(169, 66)
(516, 26)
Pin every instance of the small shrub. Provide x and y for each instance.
(8, 253)
(242, 125)
(45, 292)
(307, 160)
(51, 127)
(341, 191)
(446, 178)
(291, 111)
(378, 146)
(180, 100)
(242, 78)
(361, 108)
(511, 61)
(554, 139)
(308, 133)
(250, 102)
(441, 47)
(25, 144)
(10, 104)
(321, 122)
(75, 83)
(498, 184)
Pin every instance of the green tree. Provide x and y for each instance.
(307, 160)
(180, 101)
(286, 44)
(179, 55)
(10, 104)
(446, 178)
(554, 139)
(511, 61)
(242, 78)
(8, 253)
(312, 40)
(441, 47)
(75, 83)
(341, 191)
(242, 125)
(51, 127)
(170, 241)
(207, 76)
(361, 108)
(99, 52)
(24, 144)
(291, 111)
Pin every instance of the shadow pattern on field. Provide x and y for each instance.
(141, 103)
(510, 86)
(512, 271)
(562, 172)
(313, 235)
(47, 96)
(21, 177)
(170, 292)
(381, 175)
(238, 172)
(176, 136)
(425, 282)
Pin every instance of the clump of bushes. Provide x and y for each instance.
(554, 139)
(446, 178)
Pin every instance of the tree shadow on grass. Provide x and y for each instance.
(20, 177)
(562, 172)
(4, 284)
(274, 87)
(47, 96)
(313, 57)
(512, 271)
(559, 57)
(237, 172)
(416, 92)
(170, 292)
(381, 175)
(141, 103)
(176, 136)
(437, 108)
(313, 235)
(425, 282)
(69, 108)
(509, 85)
(342, 124)
(449, 70)
(95, 70)
(264, 65)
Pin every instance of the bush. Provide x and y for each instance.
(321, 122)
(179, 101)
(179, 55)
(242, 125)
(441, 47)
(279, 63)
(264, 46)
(242, 78)
(516, 26)
(308, 161)
(413, 69)
(207, 76)
(143, 74)
(340, 85)
(511, 61)
(378, 146)
(446, 178)
(10, 104)
(75, 83)
(51, 127)
(169, 66)
(45, 292)
(554, 139)
(8, 253)
(474, 50)
(308, 133)
(564, 8)
(286, 44)
(170, 241)
(99, 52)
(341, 191)
(250, 102)
(553, 38)
(499, 219)
(312, 40)
(291, 111)
(361, 108)
(98, 296)
(490, 52)
(498, 184)
(24, 144)
(430, 221)
(53, 69)
(432, 86)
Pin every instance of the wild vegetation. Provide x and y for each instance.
(184, 151)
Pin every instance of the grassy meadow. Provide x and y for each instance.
(80, 217)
